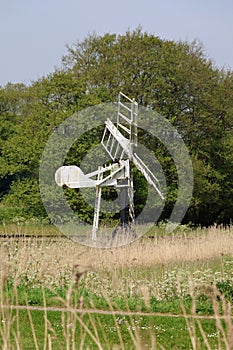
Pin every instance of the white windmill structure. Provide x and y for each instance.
(120, 143)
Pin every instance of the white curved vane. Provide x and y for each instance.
(73, 177)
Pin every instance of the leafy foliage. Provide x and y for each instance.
(174, 79)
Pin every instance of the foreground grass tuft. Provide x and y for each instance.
(170, 292)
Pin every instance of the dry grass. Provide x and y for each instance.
(132, 268)
(171, 249)
(140, 265)
(54, 255)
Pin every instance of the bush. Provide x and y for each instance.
(226, 288)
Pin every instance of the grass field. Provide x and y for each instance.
(166, 292)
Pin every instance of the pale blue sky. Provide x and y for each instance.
(34, 33)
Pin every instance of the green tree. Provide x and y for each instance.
(175, 79)
(178, 81)
(40, 108)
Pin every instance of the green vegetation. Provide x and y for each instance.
(173, 78)
(121, 305)
(135, 331)
(61, 336)
(166, 292)
(185, 277)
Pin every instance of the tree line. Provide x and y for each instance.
(175, 79)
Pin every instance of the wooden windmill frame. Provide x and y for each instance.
(120, 143)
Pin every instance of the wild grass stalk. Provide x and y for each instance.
(223, 321)
(32, 325)
(72, 321)
(163, 269)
